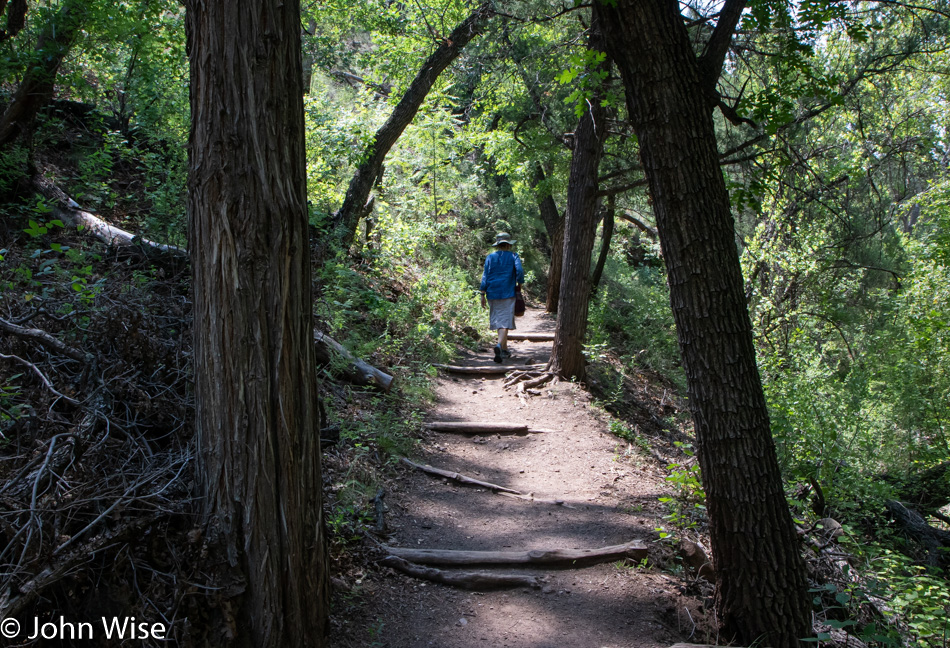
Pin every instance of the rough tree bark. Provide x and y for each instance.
(357, 202)
(580, 226)
(36, 89)
(257, 403)
(670, 94)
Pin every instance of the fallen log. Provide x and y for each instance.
(935, 542)
(67, 210)
(497, 370)
(634, 549)
(465, 580)
(459, 477)
(352, 368)
(466, 427)
(530, 337)
(110, 234)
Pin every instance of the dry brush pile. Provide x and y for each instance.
(96, 449)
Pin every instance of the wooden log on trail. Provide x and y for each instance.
(497, 370)
(459, 477)
(472, 427)
(530, 337)
(353, 369)
(465, 580)
(634, 549)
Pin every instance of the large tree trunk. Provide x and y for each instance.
(580, 227)
(36, 89)
(356, 203)
(760, 576)
(257, 402)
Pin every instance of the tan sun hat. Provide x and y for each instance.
(501, 238)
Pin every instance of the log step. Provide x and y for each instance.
(634, 549)
(531, 337)
(473, 427)
(497, 370)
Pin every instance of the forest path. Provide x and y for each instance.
(611, 496)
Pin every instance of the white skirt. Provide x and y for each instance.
(501, 313)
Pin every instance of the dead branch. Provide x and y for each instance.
(465, 580)
(31, 590)
(45, 339)
(46, 382)
(462, 479)
(570, 557)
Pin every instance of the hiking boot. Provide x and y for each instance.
(505, 353)
(498, 354)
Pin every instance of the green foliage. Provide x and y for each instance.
(631, 312)
(686, 508)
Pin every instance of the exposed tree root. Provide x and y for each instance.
(465, 580)
(526, 380)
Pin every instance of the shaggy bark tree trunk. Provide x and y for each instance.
(670, 94)
(356, 203)
(580, 226)
(257, 403)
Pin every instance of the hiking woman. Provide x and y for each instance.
(502, 277)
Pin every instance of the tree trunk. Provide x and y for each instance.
(760, 576)
(16, 18)
(36, 89)
(580, 226)
(606, 234)
(554, 226)
(554, 269)
(356, 203)
(255, 384)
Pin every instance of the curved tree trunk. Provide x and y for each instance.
(257, 403)
(606, 235)
(760, 576)
(580, 227)
(554, 227)
(554, 269)
(357, 202)
(36, 89)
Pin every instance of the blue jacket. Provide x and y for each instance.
(502, 273)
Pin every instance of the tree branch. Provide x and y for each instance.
(714, 54)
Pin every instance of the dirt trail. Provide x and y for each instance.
(612, 494)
